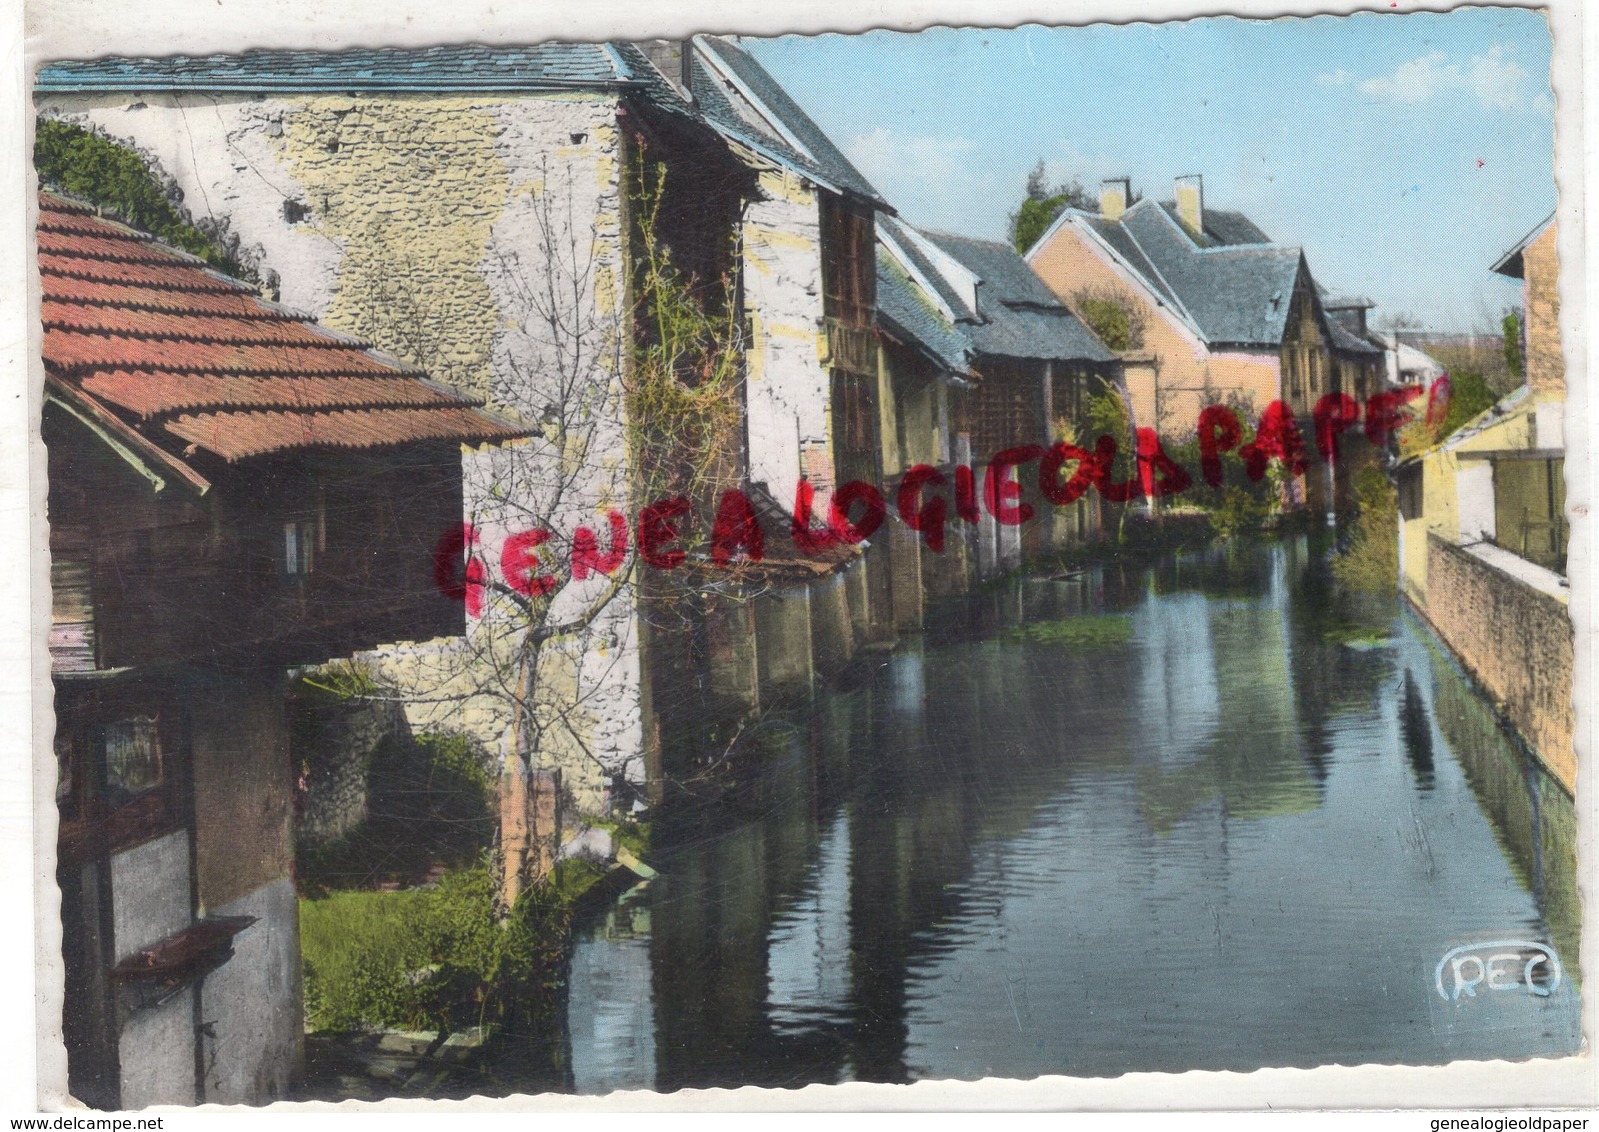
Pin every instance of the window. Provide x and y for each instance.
(298, 541)
(132, 758)
(117, 785)
(1529, 510)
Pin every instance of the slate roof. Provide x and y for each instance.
(906, 312)
(543, 66)
(1347, 340)
(909, 240)
(1017, 316)
(1223, 227)
(739, 98)
(733, 93)
(152, 343)
(1233, 294)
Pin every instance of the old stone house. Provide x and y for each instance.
(477, 211)
(219, 471)
(1483, 531)
(1028, 367)
(1214, 310)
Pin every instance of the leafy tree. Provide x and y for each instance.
(1042, 203)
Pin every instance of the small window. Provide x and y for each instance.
(298, 543)
(132, 758)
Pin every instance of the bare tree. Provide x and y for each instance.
(628, 375)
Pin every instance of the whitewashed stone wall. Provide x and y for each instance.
(789, 390)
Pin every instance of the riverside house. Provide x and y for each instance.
(1014, 367)
(432, 201)
(220, 474)
(1215, 311)
(1483, 530)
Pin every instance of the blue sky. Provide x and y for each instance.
(1403, 152)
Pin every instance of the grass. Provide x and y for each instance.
(436, 958)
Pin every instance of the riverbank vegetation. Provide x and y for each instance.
(399, 924)
(1369, 562)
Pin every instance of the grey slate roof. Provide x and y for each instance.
(544, 66)
(814, 155)
(1017, 316)
(1122, 242)
(1347, 340)
(1235, 294)
(1223, 227)
(905, 311)
(906, 237)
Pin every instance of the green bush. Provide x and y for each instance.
(1112, 316)
(1370, 562)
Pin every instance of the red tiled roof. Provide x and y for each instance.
(185, 356)
(150, 394)
(257, 433)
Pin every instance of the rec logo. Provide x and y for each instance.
(1508, 965)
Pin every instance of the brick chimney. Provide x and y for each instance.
(1114, 193)
(1190, 197)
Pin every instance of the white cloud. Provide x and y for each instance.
(1543, 104)
(1415, 81)
(1495, 79)
(1340, 77)
(883, 152)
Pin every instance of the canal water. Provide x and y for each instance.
(1197, 816)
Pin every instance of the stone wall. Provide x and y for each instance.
(333, 749)
(1515, 641)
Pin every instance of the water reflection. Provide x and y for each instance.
(1200, 816)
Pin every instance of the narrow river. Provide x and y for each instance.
(1188, 817)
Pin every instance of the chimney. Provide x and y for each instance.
(1114, 193)
(1190, 196)
(672, 58)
